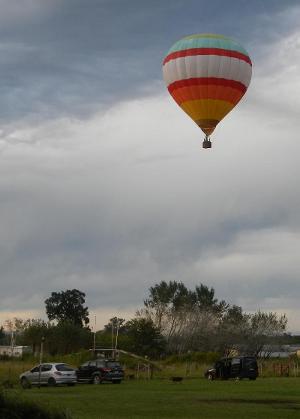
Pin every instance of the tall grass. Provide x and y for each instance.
(12, 407)
(190, 365)
(11, 368)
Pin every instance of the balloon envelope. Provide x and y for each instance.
(207, 75)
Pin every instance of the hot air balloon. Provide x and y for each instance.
(207, 75)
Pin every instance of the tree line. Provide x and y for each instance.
(196, 320)
(173, 320)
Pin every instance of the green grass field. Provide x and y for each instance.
(161, 398)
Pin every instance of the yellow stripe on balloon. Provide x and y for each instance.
(207, 108)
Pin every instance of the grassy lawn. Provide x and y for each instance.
(193, 398)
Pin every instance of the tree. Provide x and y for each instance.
(197, 320)
(34, 331)
(62, 338)
(165, 304)
(67, 337)
(264, 330)
(183, 316)
(2, 335)
(15, 328)
(67, 306)
(145, 338)
(115, 323)
(232, 331)
(196, 332)
(204, 298)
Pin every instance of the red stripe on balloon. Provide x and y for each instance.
(227, 94)
(207, 51)
(206, 81)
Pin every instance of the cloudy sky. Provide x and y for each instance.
(104, 185)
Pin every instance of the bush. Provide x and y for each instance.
(199, 357)
(5, 357)
(10, 408)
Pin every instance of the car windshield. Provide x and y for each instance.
(64, 367)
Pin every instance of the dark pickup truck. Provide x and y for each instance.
(236, 367)
(100, 370)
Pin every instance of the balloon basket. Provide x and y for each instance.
(206, 144)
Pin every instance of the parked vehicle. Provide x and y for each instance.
(236, 367)
(100, 370)
(49, 374)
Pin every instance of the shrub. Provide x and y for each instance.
(10, 408)
(199, 357)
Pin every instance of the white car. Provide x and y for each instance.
(49, 374)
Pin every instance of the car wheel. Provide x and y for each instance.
(116, 381)
(210, 377)
(25, 383)
(252, 378)
(96, 379)
(71, 384)
(51, 382)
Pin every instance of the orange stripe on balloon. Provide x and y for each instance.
(207, 92)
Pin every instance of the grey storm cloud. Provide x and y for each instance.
(69, 57)
(103, 185)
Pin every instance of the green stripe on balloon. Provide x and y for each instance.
(204, 41)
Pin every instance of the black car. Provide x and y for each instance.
(236, 367)
(100, 370)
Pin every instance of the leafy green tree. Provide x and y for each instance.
(67, 337)
(63, 338)
(204, 298)
(34, 331)
(232, 331)
(104, 339)
(165, 302)
(67, 306)
(2, 335)
(145, 338)
(178, 312)
(197, 320)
